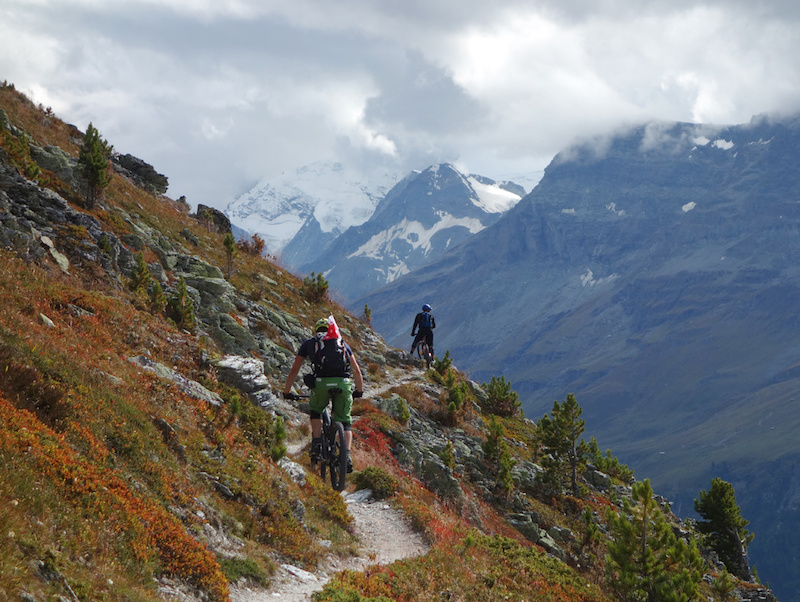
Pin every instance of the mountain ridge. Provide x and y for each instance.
(421, 217)
(324, 196)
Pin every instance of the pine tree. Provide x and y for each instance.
(141, 278)
(496, 453)
(646, 561)
(503, 400)
(565, 451)
(724, 527)
(230, 252)
(278, 450)
(315, 287)
(182, 307)
(158, 300)
(93, 164)
(494, 441)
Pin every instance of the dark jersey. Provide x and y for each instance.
(424, 319)
(312, 349)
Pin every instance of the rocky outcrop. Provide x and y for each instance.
(141, 173)
(213, 218)
(53, 158)
(37, 222)
(188, 386)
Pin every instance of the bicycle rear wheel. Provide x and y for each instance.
(338, 458)
(325, 452)
(424, 352)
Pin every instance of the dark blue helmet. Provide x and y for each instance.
(426, 307)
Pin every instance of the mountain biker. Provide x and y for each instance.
(326, 332)
(425, 322)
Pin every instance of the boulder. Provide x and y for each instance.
(52, 158)
(143, 174)
(597, 479)
(215, 217)
(243, 372)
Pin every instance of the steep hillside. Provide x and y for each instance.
(146, 456)
(653, 274)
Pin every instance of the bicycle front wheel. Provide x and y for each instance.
(339, 458)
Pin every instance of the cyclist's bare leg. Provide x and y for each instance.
(316, 428)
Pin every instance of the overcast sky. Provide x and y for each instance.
(219, 94)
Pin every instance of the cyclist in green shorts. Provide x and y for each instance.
(333, 365)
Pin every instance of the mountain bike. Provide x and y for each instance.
(334, 454)
(424, 353)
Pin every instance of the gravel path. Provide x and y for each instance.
(385, 534)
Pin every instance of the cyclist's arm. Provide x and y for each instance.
(356, 373)
(298, 362)
(416, 323)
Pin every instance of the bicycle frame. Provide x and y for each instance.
(334, 452)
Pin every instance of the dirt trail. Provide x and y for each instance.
(385, 535)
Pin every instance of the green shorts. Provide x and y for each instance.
(342, 403)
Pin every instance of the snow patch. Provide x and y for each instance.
(701, 140)
(588, 279)
(414, 233)
(723, 144)
(689, 206)
(492, 198)
(569, 212)
(612, 207)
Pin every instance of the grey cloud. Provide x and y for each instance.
(418, 96)
(219, 99)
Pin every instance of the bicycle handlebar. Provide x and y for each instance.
(332, 392)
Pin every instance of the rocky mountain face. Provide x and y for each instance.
(422, 217)
(315, 202)
(655, 276)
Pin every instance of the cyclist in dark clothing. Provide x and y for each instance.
(424, 323)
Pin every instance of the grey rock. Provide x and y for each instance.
(243, 372)
(294, 470)
(230, 335)
(430, 468)
(188, 386)
(53, 158)
(597, 479)
(219, 220)
(143, 174)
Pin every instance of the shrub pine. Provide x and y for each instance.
(93, 164)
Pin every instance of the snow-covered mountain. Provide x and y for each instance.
(423, 216)
(322, 196)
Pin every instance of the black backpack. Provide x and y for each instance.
(330, 358)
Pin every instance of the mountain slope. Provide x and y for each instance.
(422, 217)
(654, 274)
